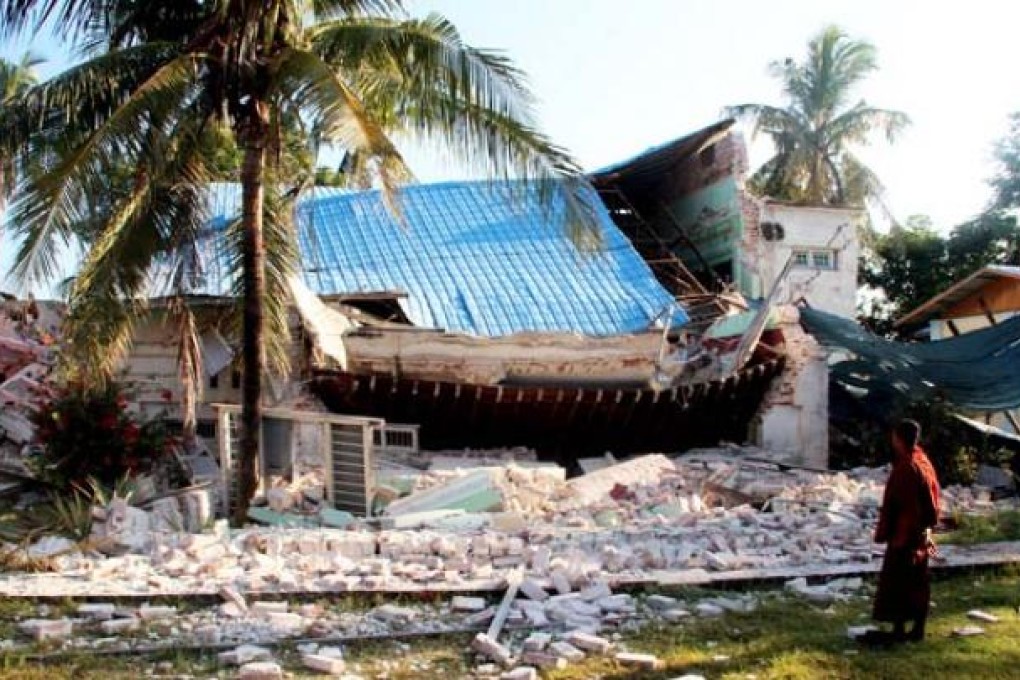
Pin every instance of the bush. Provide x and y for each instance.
(88, 434)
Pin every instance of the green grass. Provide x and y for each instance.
(786, 638)
(972, 529)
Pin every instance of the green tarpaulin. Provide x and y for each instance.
(977, 371)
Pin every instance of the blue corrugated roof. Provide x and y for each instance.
(472, 257)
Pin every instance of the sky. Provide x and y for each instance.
(614, 78)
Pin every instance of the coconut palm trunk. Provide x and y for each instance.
(254, 137)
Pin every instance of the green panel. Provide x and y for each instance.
(712, 219)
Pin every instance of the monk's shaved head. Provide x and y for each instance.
(909, 432)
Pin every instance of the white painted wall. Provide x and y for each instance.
(813, 229)
(793, 422)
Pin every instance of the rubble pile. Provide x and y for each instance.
(629, 522)
(532, 627)
(27, 355)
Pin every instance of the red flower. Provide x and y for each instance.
(168, 395)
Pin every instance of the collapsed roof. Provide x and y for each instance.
(482, 258)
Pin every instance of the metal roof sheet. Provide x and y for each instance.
(482, 258)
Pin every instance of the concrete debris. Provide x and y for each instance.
(982, 616)
(648, 662)
(261, 670)
(47, 629)
(489, 648)
(324, 664)
(968, 631)
(520, 673)
(244, 654)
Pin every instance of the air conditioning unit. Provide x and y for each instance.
(772, 231)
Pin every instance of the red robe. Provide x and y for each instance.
(910, 507)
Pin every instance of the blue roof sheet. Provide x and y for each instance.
(482, 258)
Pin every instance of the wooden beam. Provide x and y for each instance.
(987, 311)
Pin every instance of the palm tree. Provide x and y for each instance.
(15, 79)
(166, 78)
(814, 133)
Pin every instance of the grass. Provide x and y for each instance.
(971, 529)
(786, 638)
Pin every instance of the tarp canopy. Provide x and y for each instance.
(977, 371)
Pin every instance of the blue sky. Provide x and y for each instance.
(615, 78)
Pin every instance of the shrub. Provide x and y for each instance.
(88, 434)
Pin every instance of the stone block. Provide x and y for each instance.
(520, 673)
(491, 649)
(231, 594)
(648, 662)
(261, 670)
(536, 642)
(154, 613)
(544, 660)
(267, 608)
(47, 629)
(567, 651)
(118, 626)
(324, 664)
(531, 589)
(463, 603)
(589, 642)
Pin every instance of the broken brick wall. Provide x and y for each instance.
(793, 421)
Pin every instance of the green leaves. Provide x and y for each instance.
(816, 129)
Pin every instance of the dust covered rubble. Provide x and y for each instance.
(624, 523)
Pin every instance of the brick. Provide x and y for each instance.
(261, 670)
(648, 662)
(117, 626)
(323, 664)
(47, 629)
(589, 642)
(468, 604)
(532, 590)
(491, 649)
(520, 673)
(567, 651)
(544, 660)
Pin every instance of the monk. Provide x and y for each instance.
(910, 509)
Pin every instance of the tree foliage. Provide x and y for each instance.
(815, 131)
(167, 86)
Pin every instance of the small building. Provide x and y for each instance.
(984, 298)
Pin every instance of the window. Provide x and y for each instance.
(821, 259)
(816, 258)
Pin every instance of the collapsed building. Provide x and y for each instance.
(474, 321)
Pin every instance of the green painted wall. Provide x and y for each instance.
(712, 219)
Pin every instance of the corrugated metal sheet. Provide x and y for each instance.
(473, 257)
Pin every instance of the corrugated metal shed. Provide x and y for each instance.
(482, 258)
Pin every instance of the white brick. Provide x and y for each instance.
(324, 664)
(261, 670)
(589, 642)
(567, 651)
(47, 629)
(468, 604)
(646, 661)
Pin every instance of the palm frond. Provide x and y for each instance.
(52, 202)
(343, 118)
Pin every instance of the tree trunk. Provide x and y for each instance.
(253, 139)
